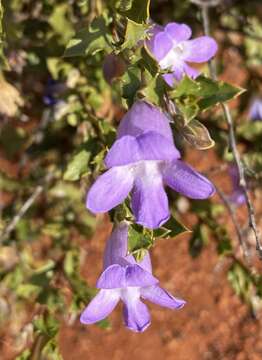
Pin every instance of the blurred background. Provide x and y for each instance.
(56, 115)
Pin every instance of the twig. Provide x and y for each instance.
(29, 202)
(238, 229)
(233, 145)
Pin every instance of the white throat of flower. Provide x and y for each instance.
(174, 56)
(148, 170)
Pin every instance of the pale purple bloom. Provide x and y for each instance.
(237, 196)
(142, 161)
(255, 112)
(173, 50)
(125, 279)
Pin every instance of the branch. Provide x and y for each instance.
(238, 229)
(232, 142)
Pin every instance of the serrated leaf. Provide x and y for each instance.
(90, 40)
(225, 92)
(186, 87)
(135, 32)
(130, 83)
(189, 109)
(171, 229)
(197, 135)
(138, 239)
(154, 89)
(208, 92)
(139, 11)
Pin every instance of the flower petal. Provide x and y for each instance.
(146, 263)
(136, 276)
(100, 306)
(161, 297)
(110, 189)
(150, 202)
(200, 49)
(185, 180)
(136, 314)
(143, 117)
(116, 245)
(178, 32)
(191, 72)
(147, 146)
(112, 278)
(161, 45)
(124, 151)
(154, 146)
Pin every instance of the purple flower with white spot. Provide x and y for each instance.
(173, 50)
(237, 196)
(142, 161)
(255, 112)
(125, 279)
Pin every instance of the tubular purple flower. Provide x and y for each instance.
(142, 161)
(255, 111)
(237, 196)
(125, 279)
(173, 50)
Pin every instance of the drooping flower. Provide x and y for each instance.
(173, 50)
(255, 111)
(142, 161)
(125, 279)
(237, 195)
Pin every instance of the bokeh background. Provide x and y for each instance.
(56, 114)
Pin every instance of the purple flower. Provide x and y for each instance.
(237, 196)
(142, 161)
(125, 279)
(173, 50)
(52, 90)
(255, 112)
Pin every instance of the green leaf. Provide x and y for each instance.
(197, 135)
(251, 130)
(208, 92)
(47, 325)
(241, 281)
(139, 11)
(186, 87)
(171, 229)
(134, 33)
(130, 83)
(139, 241)
(198, 240)
(26, 355)
(59, 21)
(224, 92)
(77, 166)
(154, 89)
(90, 40)
(189, 109)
